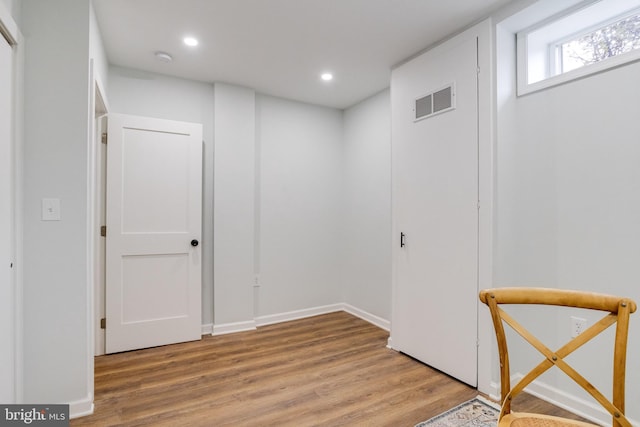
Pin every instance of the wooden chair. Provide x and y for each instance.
(618, 310)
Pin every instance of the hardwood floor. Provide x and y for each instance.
(329, 370)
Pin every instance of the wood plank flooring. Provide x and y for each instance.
(329, 370)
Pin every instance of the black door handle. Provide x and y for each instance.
(402, 240)
(194, 243)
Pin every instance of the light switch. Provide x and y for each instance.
(51, 209)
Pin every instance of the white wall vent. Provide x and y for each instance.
(436, 102)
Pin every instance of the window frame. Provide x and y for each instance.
(552, 46)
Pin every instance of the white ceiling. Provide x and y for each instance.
(280, 47)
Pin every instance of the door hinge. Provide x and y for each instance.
(104, 138)
(103, 231)
(103, 323)
(478, 204)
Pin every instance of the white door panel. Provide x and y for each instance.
(435, 170)
(155, 160)
(154, 193)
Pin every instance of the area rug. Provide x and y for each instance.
(476, 412)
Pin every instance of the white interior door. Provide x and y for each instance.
(154, 197)
(7, 283)
(435, 206)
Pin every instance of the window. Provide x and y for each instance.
(588, 38)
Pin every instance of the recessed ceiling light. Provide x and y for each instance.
(163, 56)
(326, 77)
(190, 41)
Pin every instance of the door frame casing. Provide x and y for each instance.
(97, 202)
(97, 107)
(486, 153)
(9, 29)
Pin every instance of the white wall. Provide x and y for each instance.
(97, 52)
(234, 201)
(153, 95)
(366, 239)
(14, 9)
(56, 126)
(568, 200)
(300, 226)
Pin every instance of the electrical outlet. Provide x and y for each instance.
(51, 209)
(578, 325)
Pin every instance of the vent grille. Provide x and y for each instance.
(424, 106)
(436, 102)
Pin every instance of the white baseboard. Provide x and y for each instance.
(494, 391)
(229, 328)
(371, 318)
(298, 314)
(81, 408)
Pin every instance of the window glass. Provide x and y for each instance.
(610, 40)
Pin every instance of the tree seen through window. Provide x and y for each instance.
(612, 40)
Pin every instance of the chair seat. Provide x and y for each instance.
(523, 419)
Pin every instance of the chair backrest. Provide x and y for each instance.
(617, 312)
